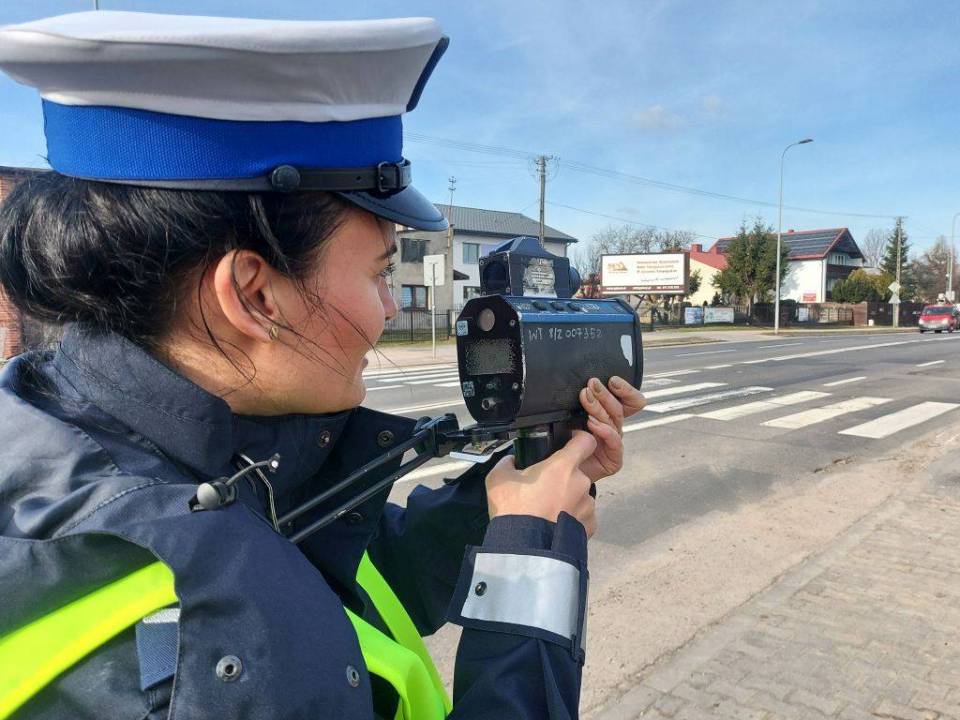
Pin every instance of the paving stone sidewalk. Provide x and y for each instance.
(868, 629)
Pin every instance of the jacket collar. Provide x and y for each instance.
(188, 424)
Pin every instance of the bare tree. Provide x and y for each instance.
(872, 246)
(931, 270)
(674, 239)
(613, 240)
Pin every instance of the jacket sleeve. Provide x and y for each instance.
(419, 549)
(521, 599)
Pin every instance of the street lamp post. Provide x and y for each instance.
(776, 305)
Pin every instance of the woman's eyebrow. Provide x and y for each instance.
(392, 250)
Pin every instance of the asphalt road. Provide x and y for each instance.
(733, 464)
(727, 421)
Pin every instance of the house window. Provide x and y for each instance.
(470, 292)
(471, 252)
(412, 250)
(413, 297)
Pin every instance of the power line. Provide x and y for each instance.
(627, 177)
(631, 222)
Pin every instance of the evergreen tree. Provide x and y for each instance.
(889, 262)
(750, 274)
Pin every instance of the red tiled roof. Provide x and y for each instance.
(712, 257)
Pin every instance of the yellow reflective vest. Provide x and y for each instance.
(35, 654)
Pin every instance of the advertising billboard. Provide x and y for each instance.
(718, 314)
(693, 315)
(645, 274)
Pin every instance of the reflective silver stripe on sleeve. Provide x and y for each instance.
(167, 615)
(530, 590)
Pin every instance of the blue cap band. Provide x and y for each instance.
(115, 143)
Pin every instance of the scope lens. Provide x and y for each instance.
(486, 320)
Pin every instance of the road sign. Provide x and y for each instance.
(431, 277)
(894, 299)
(894, 287)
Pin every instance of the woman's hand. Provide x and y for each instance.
(607, 409)
(555, 485)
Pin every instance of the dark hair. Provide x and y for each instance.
(116, 258)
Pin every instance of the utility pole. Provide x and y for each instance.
(452, 186)
(542, 171)
(896, 306)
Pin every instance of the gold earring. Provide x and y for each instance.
(274, 332)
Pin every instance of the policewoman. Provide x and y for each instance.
(215, 238)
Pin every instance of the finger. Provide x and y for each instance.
(593, 407)
(609, 402)
(632, 399)
(607, 437)
(578, 448)
(608, 459)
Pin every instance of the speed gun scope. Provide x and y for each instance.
(526, 347)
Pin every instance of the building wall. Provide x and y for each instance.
(411, 273)
(804, 277)
(707, 290)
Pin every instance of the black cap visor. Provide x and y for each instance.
(407, 207)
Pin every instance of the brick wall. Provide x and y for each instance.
(11, 327)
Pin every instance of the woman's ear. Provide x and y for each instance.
(242, 286)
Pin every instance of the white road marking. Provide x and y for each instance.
(632, 427)
(780, 345)
(932, 362)
(711, 352)
(659, 382)
(429, 406)
(688, 402)
(444, 378)
(383, 387)
(412, 369)
(835, 351)
(756, 362)
(844, 382)
(416, 376)
(431, 470)
(827, 412)
(448, 384)
(901, 420)
(750, 408)
(717, 367)
(673, 373)
(666, 392)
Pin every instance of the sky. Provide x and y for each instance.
(679, 109)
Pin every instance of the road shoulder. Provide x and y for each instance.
(834, 597)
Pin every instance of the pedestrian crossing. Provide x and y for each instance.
(442, 376)
(682, 398)
(672, 398)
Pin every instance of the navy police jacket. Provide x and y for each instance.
(101, 450)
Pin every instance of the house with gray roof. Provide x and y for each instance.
(474, 233)
(817, 260)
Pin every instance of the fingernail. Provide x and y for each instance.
(590, 397)
(596, 385)
(616, 383)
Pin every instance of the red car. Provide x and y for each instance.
(939, 318)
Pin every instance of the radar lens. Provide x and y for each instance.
(486, 320)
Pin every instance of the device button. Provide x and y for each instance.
(539, 305)
(574, 307)
(558, 305)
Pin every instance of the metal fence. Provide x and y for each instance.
(414, 326)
